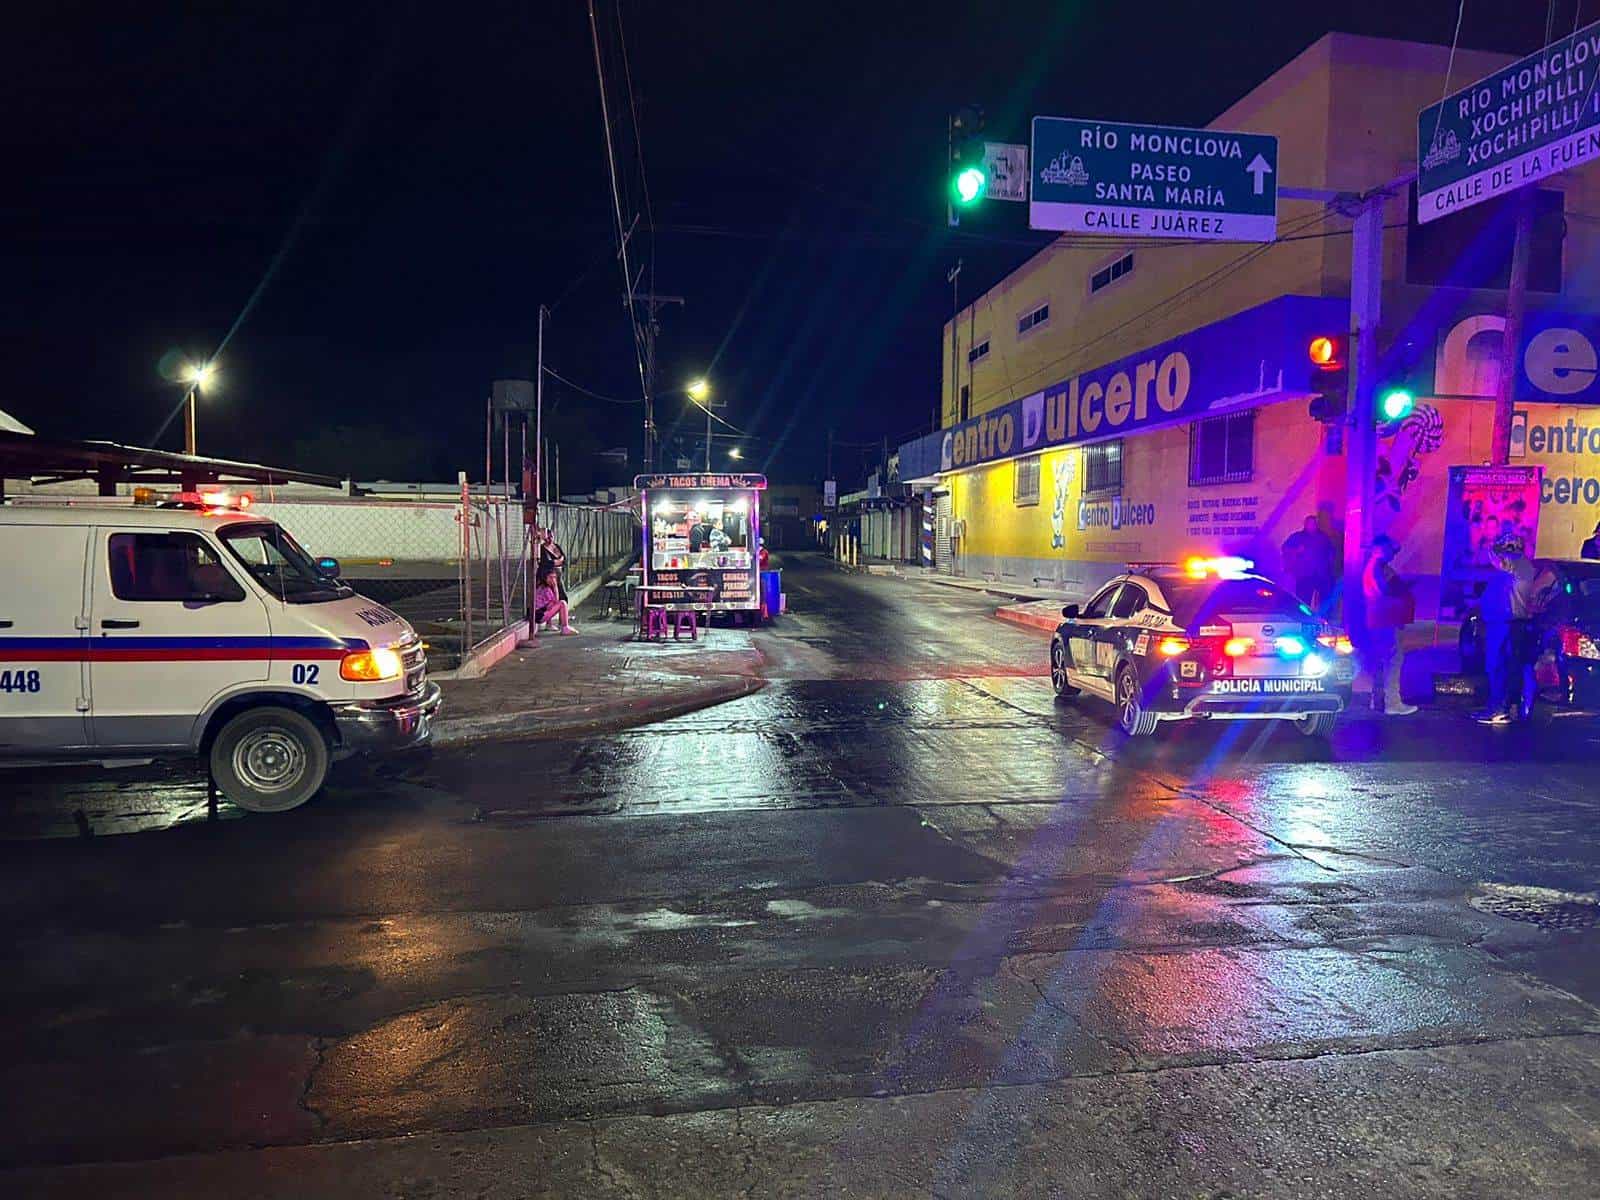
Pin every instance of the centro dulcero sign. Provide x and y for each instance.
(1538, 116)
(1153, 181)
(1250, 358)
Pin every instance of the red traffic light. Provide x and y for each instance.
(1327, 353)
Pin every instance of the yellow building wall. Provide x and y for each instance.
(1163, 517)
(1293, 479)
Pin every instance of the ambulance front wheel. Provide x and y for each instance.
(269, 760)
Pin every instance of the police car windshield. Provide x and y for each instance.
(1196, 601)
(279, 564)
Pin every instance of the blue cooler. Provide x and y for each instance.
(772, 593)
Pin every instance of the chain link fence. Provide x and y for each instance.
(459, 572)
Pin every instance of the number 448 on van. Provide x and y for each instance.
(20, 681)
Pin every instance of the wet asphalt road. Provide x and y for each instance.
(898, 924)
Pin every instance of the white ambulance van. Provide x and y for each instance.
(195, 628)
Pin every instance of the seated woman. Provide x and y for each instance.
(548, 606)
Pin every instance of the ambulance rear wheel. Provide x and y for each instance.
(269, 760)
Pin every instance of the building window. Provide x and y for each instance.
(1110, 273)
(1031, 320)
(1471, 248)
(1102, 467)
(1223, 449)
(966, 402)
(1025, 485)
(979, 352)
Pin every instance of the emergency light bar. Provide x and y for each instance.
(212, 500)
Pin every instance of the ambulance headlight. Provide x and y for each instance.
(1314, 666)
(371, 666)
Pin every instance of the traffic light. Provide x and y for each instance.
(1395, 404)
(969, 175)
(1330, 377)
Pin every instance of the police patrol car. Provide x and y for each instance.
(197, 628)
(1207, 639)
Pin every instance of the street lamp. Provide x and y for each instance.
(699, 392)
(198, 376)
(735, 453)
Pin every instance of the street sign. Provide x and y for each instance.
(1153, 181)
(1524, 122)
(830, 493)
(1006, 165)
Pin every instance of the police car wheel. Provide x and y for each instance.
(1058, 672)
(269, 760)
(1132, 718)
(1317, 724)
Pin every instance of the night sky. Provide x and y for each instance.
(367, 203)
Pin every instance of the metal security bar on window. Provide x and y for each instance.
(1102, 467)
(1222, 449)
(1025, 484)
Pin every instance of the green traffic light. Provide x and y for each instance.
(970, 184)
(1396, 404)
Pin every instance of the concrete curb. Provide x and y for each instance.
(604, 716)
(1032, 620)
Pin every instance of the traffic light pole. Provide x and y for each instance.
(1366, 303)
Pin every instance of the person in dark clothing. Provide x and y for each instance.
(1308, 560)
(552, 558)
(1591, 545)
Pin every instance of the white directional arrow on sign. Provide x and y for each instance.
(1260, 170)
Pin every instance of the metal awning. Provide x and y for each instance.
(47, 460)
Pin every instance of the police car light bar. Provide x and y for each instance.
(1223, 567)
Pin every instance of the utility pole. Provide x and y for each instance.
(1366, 302)
(830, 452)
(1511, 339)
(652, 307)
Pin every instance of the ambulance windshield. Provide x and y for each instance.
(278, 564)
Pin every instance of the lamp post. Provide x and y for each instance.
(197, 376)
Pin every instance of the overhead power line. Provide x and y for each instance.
(578, 387)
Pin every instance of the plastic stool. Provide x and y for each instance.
(655, 622)
(679, 618)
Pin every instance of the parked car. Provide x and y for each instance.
(1206, 640)
(196, 628)
(1565, 648)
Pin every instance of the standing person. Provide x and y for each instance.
(1591, 545)
(553, 558)
(1390, 608)
(548, 606)
(1308, 558)
(1514, 596)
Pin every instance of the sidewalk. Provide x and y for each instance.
(595, 680)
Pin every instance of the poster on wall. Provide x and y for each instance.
(1482, 504)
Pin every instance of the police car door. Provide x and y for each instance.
(1120, 633)
(42, 668)
(170, 629)
(1085, 633)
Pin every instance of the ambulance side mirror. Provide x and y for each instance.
(328, 568)
(1070, 610)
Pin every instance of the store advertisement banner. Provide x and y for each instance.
(1482, 505)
